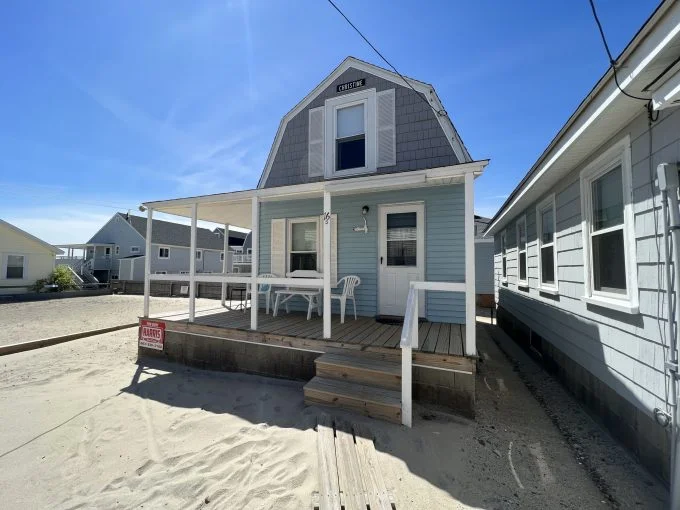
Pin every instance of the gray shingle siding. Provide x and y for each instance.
(623, 351)
(421, 142)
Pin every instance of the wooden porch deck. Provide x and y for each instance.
(364, 332)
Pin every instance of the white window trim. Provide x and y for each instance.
(504, 256)
(163, 248)
(116, 250)
(368, 98)
(199, 254)
(289, 239)
(547, 203)
(24, 265)
(522, 283)
(135, 249)
(618, 154)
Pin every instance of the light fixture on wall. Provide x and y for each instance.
(364, 229)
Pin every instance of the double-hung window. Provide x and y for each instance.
(521, 230)
(303, 244)
(163, 253)
(350, 138)
(15, 267)
(547, 261)
(608, 230)
(504, 258)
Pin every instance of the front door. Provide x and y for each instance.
(401, 256)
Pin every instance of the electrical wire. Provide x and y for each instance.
(612, 62)
(441, 112)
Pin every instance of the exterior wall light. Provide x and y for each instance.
(364, 229)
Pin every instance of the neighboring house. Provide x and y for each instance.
(578, 251)
(118, 249)
(366, 177)
(242, 256)
(236, 238)
(483, 263)
(23, 259)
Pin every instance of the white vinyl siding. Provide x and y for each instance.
(387, 141)
(317, 142)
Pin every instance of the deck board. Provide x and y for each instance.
(433, 337)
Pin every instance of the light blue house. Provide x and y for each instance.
(367, 176)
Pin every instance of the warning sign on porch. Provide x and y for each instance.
(152, 334)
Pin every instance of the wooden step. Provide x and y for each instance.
(361, 370)
(367, 400)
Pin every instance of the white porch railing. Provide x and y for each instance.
(242, 258)
(409, 340)
(314, 283)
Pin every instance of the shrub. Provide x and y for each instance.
(61, 277)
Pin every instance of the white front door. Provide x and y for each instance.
(401, 256)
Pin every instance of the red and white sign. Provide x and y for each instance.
(152, 334)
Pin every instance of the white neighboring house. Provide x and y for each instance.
(24, 259)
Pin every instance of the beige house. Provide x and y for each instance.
(23, 259)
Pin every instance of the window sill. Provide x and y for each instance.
(619, 306)
(523, 285)
(548, 290)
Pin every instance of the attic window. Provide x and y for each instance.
(350, 138)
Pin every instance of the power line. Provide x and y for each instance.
(612, 62)
(441, 112)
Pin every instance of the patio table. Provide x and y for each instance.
(311, 295)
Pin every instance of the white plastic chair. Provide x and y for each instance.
(348, 284)
(262, 288)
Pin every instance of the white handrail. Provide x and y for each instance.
(409, 340)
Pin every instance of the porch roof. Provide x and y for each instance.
(234, 207)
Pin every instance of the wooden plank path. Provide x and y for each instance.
(349, 474)
(434, 337)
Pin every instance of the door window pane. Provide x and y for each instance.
(608, 200)
(547, 226)
(304, 236)
(609, 262)
(548, 265)
(402, 239)
(15, 266)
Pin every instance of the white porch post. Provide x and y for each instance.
(147, 261)
(470, 292)
(255, 258)
(225, 264)
(192, 264)
(326, 264)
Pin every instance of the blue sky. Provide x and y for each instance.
(104, 105)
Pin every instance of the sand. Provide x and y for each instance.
(83, 426)
(22, 322)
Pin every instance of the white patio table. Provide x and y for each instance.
(313, 296)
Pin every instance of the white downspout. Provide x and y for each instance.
(668, 184)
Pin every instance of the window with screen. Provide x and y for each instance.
(303, 254)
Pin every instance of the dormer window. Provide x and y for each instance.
(350, 137)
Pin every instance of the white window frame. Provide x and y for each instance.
(522, 283)
(116, 250)
(199, 254)
(618, 154)
(368, 99)
(289, 239)
(547, 203)
(135, 249)
(504, 256)
(163, 248)
(24, 259)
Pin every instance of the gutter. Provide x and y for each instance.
(605, 80)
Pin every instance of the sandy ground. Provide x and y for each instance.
(22, 322)
(83, 426)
